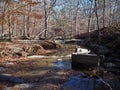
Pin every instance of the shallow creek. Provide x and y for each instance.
(53, 73)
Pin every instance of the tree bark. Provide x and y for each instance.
(25, 28)
(110, 13)
(103, 13)
(45, 20)
(3, 17)
(96, 13)
(9, 25)
(76, 15)
(28, 23)
(113, 18)
(2, 36)
(89, 20)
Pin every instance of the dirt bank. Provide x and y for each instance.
(15, 49)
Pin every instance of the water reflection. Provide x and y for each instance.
(60, 64)
(78, 82)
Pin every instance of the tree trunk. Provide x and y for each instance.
(89, 20)
(2, 35)
(28, 23)
(13, 26)
(110, 13)
(96, 13)
(25, 27)
(113, 18)
(3, 17)
(103, 13)
(76, 15)
(45, 20)
(9, 25)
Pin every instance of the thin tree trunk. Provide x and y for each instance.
(89, 20)
(113, 18)
(103, 13)
(25, 27)
(28, 19)
(13, 26)
(110, 13)
(96, 13)
(45, 20)
(2, 27)
(3, 17)
(28, 26)
(71, 25)
(76, 15)
(9, 25)
(99, 37)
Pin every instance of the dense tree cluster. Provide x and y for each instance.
(31, 18)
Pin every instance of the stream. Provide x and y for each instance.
(52, 71)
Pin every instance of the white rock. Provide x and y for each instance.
(82, 50)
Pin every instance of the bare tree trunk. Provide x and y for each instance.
(76, 15)
(99, 37)
(2, 36)
(25, 26)
(96, 13)
(45, 20)
(9, 25)
(113, 18)
(110, 13)
(3, 17)
(103, 13)
(28, 19)
(89, 20)
(28, 26)
(71, 25)
(13, 26)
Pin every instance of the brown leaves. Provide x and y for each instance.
(35, 15)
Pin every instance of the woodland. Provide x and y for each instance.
(47, 18)
(35, 35)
